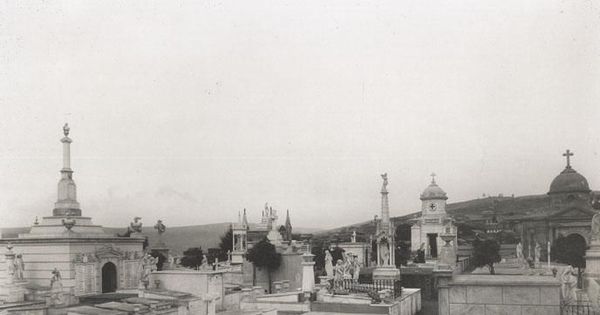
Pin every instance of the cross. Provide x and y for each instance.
(432, 178)
(568, 154)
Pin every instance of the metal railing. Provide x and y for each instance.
(353, 286)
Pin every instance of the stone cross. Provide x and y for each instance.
(568, 155)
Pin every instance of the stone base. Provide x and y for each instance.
(386, 273)
(237, 258)
(592, 263)
(13, 293)
(447, 256)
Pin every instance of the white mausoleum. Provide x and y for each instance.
(89, 260)
(426, 229)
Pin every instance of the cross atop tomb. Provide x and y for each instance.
(568, 155)
(433, 175)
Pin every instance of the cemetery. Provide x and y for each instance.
(67, 265)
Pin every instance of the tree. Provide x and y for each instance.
(336, 254)
(264, 255)
(570, 250)
(192, 257)
(161, 259)
(226, 244)
(486, 253)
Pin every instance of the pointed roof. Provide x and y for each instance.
(287, 218)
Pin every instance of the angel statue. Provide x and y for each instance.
(385, 181)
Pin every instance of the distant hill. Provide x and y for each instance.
(177, 238)
(472, 213)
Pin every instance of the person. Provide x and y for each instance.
(568, 281)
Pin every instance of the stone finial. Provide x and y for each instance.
(66, 129)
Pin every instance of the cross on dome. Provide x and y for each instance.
(433, 175)
(568, 155)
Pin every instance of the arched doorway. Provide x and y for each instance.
(109, 278)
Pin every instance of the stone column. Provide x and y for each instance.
(308, 272)
(442, 278)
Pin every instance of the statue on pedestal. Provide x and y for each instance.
(537, 252)
(353, 237)
(520, 252)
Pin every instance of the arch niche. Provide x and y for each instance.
(109, 277)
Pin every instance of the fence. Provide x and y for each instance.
(352, 286)
(578, 308)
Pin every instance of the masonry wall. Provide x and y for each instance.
(500, 294)
(290, 269)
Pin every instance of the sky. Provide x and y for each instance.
(190, 111)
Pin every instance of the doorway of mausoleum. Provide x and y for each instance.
(109, 277)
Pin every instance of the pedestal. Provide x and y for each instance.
(386, 273)
(308, 273)
(448, 255)
(237, 258)
(592, 262)
(13, 292)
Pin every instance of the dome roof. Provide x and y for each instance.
(569, 181)
(433, 191)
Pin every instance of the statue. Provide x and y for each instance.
(384, 254)
(356, 267)
(385, 182)
(204, 265)
(328, 264)
(134, 227)
(147, 265)
(229, 256)
(19, 267)
(348, 266)
(596, 227)
(160, 227)
(56, 280)
(537, 252)
(339, 273)
(56, 295)
(354, 236)
(568, 280)
(66, 130)
(519, 252)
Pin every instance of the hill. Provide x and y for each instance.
(471, 213)
(177, 238)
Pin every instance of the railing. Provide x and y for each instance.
(578, 308)
(353, 286)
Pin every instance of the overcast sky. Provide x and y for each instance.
(191, 111)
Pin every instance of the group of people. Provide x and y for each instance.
(346, 268)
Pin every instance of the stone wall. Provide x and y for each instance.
(290, 269)
(499, 294)
(198, 283)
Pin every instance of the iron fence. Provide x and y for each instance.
(353, 286)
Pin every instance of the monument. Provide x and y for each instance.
(160, 246)
(428, 228)
(240, 239)
(385, 233)
(90, 260)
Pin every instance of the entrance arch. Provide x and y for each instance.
(109, 277)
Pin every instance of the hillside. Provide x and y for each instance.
(470, 212)
(178, 238)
